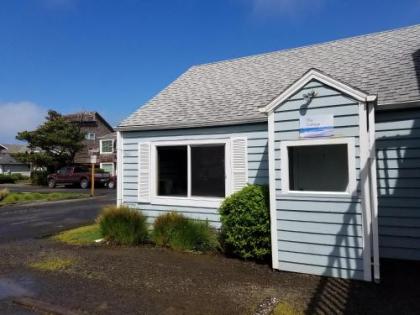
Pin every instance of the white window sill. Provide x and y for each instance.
(205, 202)
(332, 194)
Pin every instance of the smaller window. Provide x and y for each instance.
(317, 166)
(107, 146)
(90, 136)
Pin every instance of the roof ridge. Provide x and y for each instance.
(306, 46)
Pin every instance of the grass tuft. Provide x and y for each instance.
(84, 235)
(3, 193)
(123, 226)
(180, 233)
(284, 308)
(18, 197)
(52, 264)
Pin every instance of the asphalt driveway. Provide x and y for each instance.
(28, 221)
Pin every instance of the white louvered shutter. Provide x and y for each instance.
(239, 163)
(144, 172)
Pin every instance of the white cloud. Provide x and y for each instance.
(290, 8)
(19, 116)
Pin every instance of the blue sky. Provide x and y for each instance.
(112, 56)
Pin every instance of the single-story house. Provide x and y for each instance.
(332, 128)
(9, 164)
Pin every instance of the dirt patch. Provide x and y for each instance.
(115, 280)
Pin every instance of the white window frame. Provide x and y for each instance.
(113, 167)
(211, 202)
(351, 156)
(90, 136)
(100, 146)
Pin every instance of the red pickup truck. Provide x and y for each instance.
(77, 175)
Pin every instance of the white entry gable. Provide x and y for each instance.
(314, 74)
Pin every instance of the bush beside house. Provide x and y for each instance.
(180, 233)
(245, 218)
(123, 226)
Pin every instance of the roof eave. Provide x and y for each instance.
(189, 126)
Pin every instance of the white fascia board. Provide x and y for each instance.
(323, 78)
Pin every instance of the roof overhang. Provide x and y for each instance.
(2, 147)
(314, 74)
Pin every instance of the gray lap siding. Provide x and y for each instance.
(257, 155)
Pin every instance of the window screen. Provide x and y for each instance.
(208, 171)
(318, 168)
(172, 171)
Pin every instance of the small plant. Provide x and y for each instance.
(123, 225)
(180, 233)
(245, 220)
(52, 264)
(39, 178)
(4, 193)
(7, 179)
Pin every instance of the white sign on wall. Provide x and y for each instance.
(313, 126)
(93, 159)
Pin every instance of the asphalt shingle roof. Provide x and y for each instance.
(229, 92)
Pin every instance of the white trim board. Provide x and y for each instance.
(317, 75)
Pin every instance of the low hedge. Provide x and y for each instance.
(180, 233)
(123, 226)
(39, 178)
(245, 218)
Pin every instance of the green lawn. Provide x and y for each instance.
(20, 197)
(80, 236)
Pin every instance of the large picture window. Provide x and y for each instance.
(194, 170)
(318, 166)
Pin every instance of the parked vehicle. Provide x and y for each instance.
(112, 184)
(77, 175)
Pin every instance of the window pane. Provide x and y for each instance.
(106, 146)
(108, 167)
(172, 171)
(318, 168)
(208, 171)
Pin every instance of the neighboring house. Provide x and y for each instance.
(333, 128)
(8, 164)
(108, 153)
(94, 126)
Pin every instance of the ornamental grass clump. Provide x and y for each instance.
(123, 226)
(4, 193)
(180, 233)
(245, 218)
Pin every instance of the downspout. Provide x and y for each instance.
(373, 190)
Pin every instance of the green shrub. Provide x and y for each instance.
(7, 179)
(245, 218)
(180, 233)
(4, 193)
(122, 225)
(39, 178)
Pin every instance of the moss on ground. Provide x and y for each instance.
(80, 236)
(18, 197)
(284, 308)
(52, 264)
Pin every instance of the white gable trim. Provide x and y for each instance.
(314, 74)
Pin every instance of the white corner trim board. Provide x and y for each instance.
(120, 168)
(365, 189)
(317, 75)
(272, 192)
